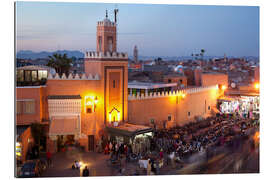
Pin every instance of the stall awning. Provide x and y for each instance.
(129, 130)
(64, 126)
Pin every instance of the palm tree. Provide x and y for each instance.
(61, 64)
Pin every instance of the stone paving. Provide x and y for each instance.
(96, 162)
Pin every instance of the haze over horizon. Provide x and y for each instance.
(157, 30)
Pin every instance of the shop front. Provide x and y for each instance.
(245, 106)
(65, 122)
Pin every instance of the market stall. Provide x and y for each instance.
(245, 106)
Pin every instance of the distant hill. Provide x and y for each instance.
(26, 54)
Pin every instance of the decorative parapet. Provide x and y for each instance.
(106, 55)
(106, 23)
(73, 77)
(171, 93)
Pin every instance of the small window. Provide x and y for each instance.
(113, 83)
(27, 76)
(169, 80)
(180, 81)
(34, 76)
(42, 74)
(29, 107)
(208, 107)
(20, 76)
(188, 113)
(152, 121)
(169, 118)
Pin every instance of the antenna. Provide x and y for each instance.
(106, 14)
(115, 15)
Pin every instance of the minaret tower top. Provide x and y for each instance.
(106, 35)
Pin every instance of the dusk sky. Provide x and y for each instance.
(157, 30)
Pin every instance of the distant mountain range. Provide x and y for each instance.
(27, 54)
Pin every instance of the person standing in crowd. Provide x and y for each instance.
(110, 146)
(49, 158)
(107, 149)
(148, 167)
(161, 154)
(85, 172)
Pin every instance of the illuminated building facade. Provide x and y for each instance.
(79, 108)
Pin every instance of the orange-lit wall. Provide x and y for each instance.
(90, 122)
(142, 110)
(35, 93)
(209, 79)
(98, 67)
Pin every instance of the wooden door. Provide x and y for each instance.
(91, 142)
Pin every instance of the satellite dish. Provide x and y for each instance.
(233, 85)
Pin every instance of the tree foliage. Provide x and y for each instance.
(61, 63)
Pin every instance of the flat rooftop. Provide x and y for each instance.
(149, 85)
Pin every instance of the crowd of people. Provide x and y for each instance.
(199, 136)
(181, 142)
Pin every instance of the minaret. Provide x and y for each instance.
(106, 35)
(112, 70)
(135, 54)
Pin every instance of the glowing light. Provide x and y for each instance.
(115, 114)
(183, 95)
(223, 87)
(96, 100)
(217, 87)
(91, 101)
(257, 86)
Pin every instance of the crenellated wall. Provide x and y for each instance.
(74, 77)
(171, 93)
(181, 108)
(106, 55)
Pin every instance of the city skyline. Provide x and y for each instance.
(157, 30)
